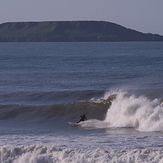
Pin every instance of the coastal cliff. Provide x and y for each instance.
(71, 31)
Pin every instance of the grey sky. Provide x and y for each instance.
(142, 15)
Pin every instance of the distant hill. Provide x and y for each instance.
(70, 31)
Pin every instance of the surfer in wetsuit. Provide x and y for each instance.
(82, 118)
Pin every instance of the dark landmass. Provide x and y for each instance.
(71, 31)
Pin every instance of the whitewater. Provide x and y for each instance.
(119, 86)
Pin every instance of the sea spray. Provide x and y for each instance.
(138, 112)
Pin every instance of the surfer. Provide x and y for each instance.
(82, 118)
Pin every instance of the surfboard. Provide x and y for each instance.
(73, 124)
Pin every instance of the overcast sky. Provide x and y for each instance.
(142, 15)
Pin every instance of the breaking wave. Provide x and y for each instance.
(130, 111)
(138, 112)
(117, 109)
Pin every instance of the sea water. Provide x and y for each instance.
(118, 85)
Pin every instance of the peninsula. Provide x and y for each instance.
(71, 31)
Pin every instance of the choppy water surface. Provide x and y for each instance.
(119, 86)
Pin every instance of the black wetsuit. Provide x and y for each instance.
(83, 118)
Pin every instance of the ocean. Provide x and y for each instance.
(118, 85)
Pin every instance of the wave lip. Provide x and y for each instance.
(47, 98)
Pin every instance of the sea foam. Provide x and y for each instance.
(50, 154)
(138, 112)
